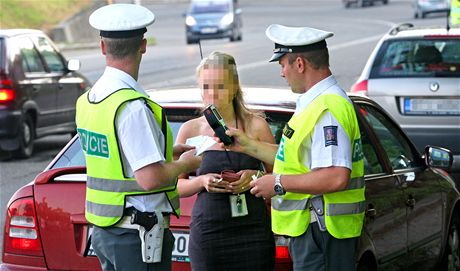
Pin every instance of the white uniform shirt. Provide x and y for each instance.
(319, 150)
(139, 136)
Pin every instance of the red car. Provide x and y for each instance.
(412, 218)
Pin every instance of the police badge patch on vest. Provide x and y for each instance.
(288, 131)
(330, 135)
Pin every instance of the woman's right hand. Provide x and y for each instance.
(213, 183)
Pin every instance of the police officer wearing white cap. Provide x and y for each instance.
(127, 141)
(317, 188)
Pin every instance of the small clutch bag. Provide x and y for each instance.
(229, 175)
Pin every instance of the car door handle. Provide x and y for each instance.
(371, 213)
(35, 88)
(410, 202)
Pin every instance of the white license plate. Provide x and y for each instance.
(180, 251)
(431, 106)
(208, 30)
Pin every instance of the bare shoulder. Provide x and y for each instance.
(258, 122)
(259, 129)
(192, 127)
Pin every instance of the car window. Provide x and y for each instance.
(372, 164)
(30, 59)
(210, 7)
(51, 57)
(417, 58)
(397, 148)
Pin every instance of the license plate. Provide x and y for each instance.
(208, 30)
(180, 251)
(415, 106)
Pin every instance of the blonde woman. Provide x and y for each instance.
(230, 228)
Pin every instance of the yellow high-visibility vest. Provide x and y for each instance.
(343, 210)
(107, 186)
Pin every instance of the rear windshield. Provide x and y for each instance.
(417, 58)
(73, 156)
(210, 7)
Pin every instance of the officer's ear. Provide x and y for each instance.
(102, 45)
(300, 63)
(143, 48)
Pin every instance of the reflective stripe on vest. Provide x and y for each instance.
(107, 185)
(333, 209)
(344, 210)
(108, 210)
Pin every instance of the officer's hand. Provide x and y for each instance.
(179, 149)
(240, 140)
(263, 187)
(191, 160)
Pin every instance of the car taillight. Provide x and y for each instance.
(282, 251)
(7, 93)
(21, 234)
(360, 88)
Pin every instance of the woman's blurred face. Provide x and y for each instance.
(217, 86)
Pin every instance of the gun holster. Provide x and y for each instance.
(317, 205)
(151, 233)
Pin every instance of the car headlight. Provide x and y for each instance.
(190, 21)
(227, 19)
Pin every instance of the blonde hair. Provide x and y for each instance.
(218, 60)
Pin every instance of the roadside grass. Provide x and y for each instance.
(38, 14)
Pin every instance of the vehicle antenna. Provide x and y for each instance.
(201, 52)
(448, 20)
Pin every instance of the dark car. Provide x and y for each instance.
(412, 205)
(38, 90)
(362, 3)
(213, 19)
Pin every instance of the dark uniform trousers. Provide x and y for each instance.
(316, 250)
(120, 249)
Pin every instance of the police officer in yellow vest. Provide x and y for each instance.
(317, 188)
(127, 141)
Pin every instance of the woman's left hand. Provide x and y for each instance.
(242, 184)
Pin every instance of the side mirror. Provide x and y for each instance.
(438, 157)
(73, 65)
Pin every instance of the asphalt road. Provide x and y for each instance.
(172, 63)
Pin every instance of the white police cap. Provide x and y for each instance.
(121, 20)
(295, 39)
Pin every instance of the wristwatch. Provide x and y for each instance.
(279, 190)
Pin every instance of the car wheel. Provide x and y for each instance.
(191, 41)
(26, 138)
(234, 36)
(451, 258)
(347, 4)
(385, 2)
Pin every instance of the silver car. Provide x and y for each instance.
(424, 7)
(414, 74)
